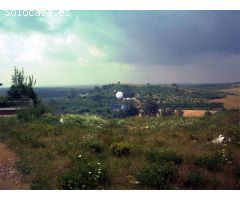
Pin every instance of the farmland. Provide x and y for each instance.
(232, 99)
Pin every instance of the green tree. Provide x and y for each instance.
(22, 87)
(150, 107)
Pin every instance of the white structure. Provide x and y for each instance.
(119, 95)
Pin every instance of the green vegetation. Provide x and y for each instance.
(164, 156)
(157, 176)
(84, 175)
(92, 148)
(22, 87)
(134, 153)
(121, 149)
(147, 97)
(195, 180)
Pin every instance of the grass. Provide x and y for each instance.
(152, 153)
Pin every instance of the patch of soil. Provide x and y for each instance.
(10, 177)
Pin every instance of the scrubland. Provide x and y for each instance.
(89, 152)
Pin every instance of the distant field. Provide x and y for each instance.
(195, 113)
(229, 102)
(235, 90)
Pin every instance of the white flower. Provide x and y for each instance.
(80, 156)
(99, 163)
(89, 172)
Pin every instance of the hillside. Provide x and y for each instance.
(88, 152)
(98, 100)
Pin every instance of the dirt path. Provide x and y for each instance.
(10, 178)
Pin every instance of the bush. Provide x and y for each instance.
(84, 175)
(49, 118)
(38, 144)
(96, 146)
(25, 138)
(215, 161)
(121, 149)
(33, 113)
(157, 176)
(195, 180)
(163, 156)
(83, 120)
(24, 166)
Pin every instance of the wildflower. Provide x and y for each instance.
(136, 182)
(89, 172)
(80, 156)
(98, 163)
(99, 172)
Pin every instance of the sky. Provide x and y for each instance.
(101, 47)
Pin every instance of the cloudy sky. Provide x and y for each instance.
(98, 47)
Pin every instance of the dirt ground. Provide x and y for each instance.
(10, 178)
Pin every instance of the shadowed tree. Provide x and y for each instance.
(22, 87)
(150, 107)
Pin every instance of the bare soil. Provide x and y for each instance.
(10, 178)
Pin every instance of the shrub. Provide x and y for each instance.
(84, 175)
(38, 144)
(33, 113)
(96, 146)
(49, 118)
(25, 138)
(214, 161)
(157, 176)
(83, 120)
(24, 166)
(160, 156)
(195, 180)
(120, 149)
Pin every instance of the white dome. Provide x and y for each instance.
(119, 95)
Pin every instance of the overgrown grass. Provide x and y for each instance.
(141, 148)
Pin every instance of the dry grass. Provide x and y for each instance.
(229, 102)
(195, 113)
(235, 90)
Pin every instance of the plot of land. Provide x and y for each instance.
(229, 102)
(195, 113)
(235, 90)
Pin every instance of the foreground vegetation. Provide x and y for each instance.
(88, 152)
